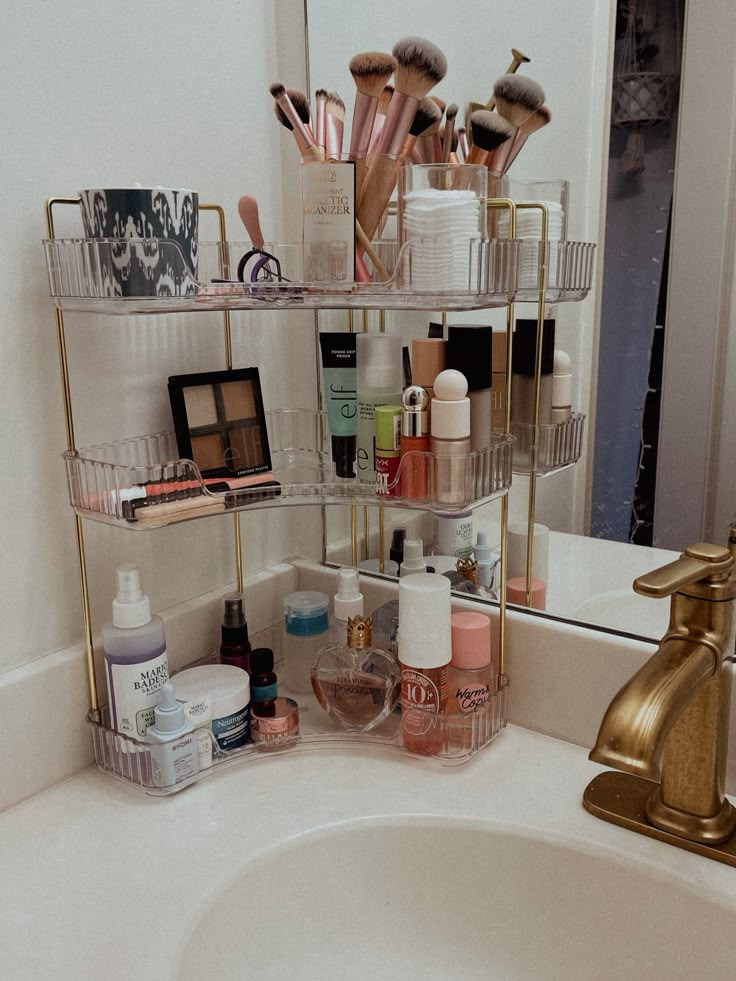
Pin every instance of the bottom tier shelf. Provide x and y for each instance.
(459, 737)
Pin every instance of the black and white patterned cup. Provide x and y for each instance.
(159, 214)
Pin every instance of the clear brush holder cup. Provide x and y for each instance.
(441, 222)
(553, 194)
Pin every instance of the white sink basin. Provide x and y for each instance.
(413, 897)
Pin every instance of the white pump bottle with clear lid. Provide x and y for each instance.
(136, 665)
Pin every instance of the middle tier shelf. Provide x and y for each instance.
(141, 483)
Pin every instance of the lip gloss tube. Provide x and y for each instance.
(388, 426)
(414, 439)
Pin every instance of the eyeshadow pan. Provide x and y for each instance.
(246, 449)
(201, 407)
(207, 451)
(239, 400)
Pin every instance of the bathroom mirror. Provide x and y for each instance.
(606, 513)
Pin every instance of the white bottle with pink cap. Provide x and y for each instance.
(472, 680)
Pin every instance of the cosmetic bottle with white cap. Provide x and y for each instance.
(561, 387)
(348, 602)
(425, 651)
(413, 558)
(450, 439)
(380, 381)
(174, 755)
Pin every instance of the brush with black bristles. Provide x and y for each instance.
(371, 71)
(320, 102)
(420, 65)
(517, 59)
(428, 148)
(538, 119)
(334, 125)
(449, 139)
(428, 113)
(490, 131)
(384, 101)
(517, 97)
(292, 111)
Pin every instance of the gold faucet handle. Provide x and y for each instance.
(699, 561)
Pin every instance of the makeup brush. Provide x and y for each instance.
(292, 119)
(428, 112)
(516, 99)
(462, 141)
(489, 132)
(517, 59)
(371, 70)
(538, 119)
(384, 101)
(428, 148)
(439, 102)
(320, 101)
(420, 66)
(449, 140)
(334, 124)
(248, 211)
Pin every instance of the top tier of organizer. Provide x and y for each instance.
(144, 276)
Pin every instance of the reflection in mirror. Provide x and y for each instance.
(612, 338)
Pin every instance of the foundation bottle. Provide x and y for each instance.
(424, 655)
(469, 351)
(428, 357)
(414, 439)
(450, 439)
(498, 381)
(471, 680)
(524, 365)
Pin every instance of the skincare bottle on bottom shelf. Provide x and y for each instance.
(234, 645)
(356, 683)
(306, 626)
(471, 681)
(380, 381)
(347, 603)
(136, 665)
(174, 752)
(424, 654)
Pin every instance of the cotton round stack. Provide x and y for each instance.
(440, 227)
(529, 226)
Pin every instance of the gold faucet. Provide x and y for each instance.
(666, 730)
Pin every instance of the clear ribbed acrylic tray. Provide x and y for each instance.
(459, 736)
(108, 482)
(558, 445)
(92, 275)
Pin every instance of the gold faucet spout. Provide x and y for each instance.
(636, 724)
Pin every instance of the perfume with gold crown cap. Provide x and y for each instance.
(358, 685)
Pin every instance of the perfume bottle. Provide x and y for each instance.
(357, 684)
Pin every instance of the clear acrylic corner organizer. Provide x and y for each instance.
(559, 445)
(101, 478)
(460, 737)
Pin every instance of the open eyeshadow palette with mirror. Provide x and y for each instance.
(221, 425)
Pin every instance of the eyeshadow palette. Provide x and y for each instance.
(220, 422)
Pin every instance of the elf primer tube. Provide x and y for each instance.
(340, 390)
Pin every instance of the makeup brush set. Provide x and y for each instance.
(397, 123)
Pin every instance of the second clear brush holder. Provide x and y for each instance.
(441, 215)
(553, 194)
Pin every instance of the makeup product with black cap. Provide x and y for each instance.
(470, 351)
(524, 365)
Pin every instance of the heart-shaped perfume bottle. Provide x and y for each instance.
(356, 684)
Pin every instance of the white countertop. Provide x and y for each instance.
(99, 881)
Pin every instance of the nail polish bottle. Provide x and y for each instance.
(414, 439)
(388, 435)
(471, 680)
(424, 654)
(470, 351)
(450, 437)
(235, 646)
